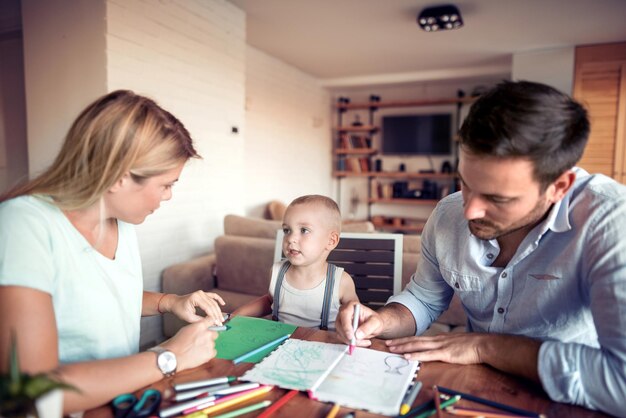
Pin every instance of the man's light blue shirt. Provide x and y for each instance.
(565, 285)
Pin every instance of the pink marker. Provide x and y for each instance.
(355, 325)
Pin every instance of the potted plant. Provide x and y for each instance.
(21, 394)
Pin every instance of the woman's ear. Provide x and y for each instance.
(119, 184)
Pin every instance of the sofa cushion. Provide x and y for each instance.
(251, 227)
(243, 264)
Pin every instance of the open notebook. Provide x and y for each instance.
(368, 379)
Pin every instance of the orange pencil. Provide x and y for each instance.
(437, 403)
(244, 396)
(468, 412)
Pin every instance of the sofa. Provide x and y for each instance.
(239, 269)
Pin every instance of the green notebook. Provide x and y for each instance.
(245, 334)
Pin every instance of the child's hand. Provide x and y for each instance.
(185, 306)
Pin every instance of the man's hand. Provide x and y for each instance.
(370, 324)
(393, 320)
(509, 353)
(459, 348)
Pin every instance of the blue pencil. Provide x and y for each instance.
(258, 350)
(487, 402)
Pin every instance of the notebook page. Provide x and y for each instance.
(368, 379)
(296, 364)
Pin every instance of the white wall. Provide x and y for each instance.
(64, 68)
(288, 148)
(190, 57)
(13, 169)
(554, 67)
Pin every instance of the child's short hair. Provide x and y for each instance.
(334, 218)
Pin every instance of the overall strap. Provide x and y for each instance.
(279, 283)
(328, 295)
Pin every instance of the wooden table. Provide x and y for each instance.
(478, 380)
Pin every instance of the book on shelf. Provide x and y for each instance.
(341, 164)
(368, 379)
(359, 141)
(365, 164)
(381, 190)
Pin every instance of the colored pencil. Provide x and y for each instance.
(437, 403)
(469, 412)
(420, 408)
(244, 410)
(197, 393)
(215, 401)
(203, 383)
(235, 389)
(258, 350)
(503, 407)
(333, 411)
(180, 407)
(410, 398)
(236, 398)
(444, 404)
(276, 405)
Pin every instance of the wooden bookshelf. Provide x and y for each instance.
(408, 103)
(402, 201)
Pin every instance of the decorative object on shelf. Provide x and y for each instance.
(378, 166)
(437, 18)
(343, 100)
(402, 167)
(354, 204)
(446, 167)
(23, 395)
(374, 98)
(357, 121)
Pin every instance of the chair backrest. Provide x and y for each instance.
(374, 260)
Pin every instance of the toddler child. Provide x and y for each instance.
(305, 290)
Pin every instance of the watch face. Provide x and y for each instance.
(167, 362)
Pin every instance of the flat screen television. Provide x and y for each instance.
(417, 134)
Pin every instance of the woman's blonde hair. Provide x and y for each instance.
(119, 133)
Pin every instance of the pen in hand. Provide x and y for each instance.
(355, 324)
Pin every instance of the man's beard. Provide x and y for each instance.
(486, 230)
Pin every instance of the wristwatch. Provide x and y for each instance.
(166, 360)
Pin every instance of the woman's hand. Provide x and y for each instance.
(193, 344)
(185, 306)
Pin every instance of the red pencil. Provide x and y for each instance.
(274, 407)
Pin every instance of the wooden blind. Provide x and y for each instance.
(600, 84)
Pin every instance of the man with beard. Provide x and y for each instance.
(532, 247)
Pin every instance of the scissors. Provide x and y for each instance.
(128, 406)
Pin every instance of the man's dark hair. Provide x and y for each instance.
(531, 120)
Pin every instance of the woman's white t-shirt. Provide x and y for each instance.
(97, 301)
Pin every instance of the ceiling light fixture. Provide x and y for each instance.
(437, 18)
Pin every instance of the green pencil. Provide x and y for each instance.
(245, 410)
(431, 412)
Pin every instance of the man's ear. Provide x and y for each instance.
(333, 240)
(119, 184)
(561, 186)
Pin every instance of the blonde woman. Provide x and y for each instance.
(70, 273)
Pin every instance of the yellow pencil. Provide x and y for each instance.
(333, 411)
(253, 393)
